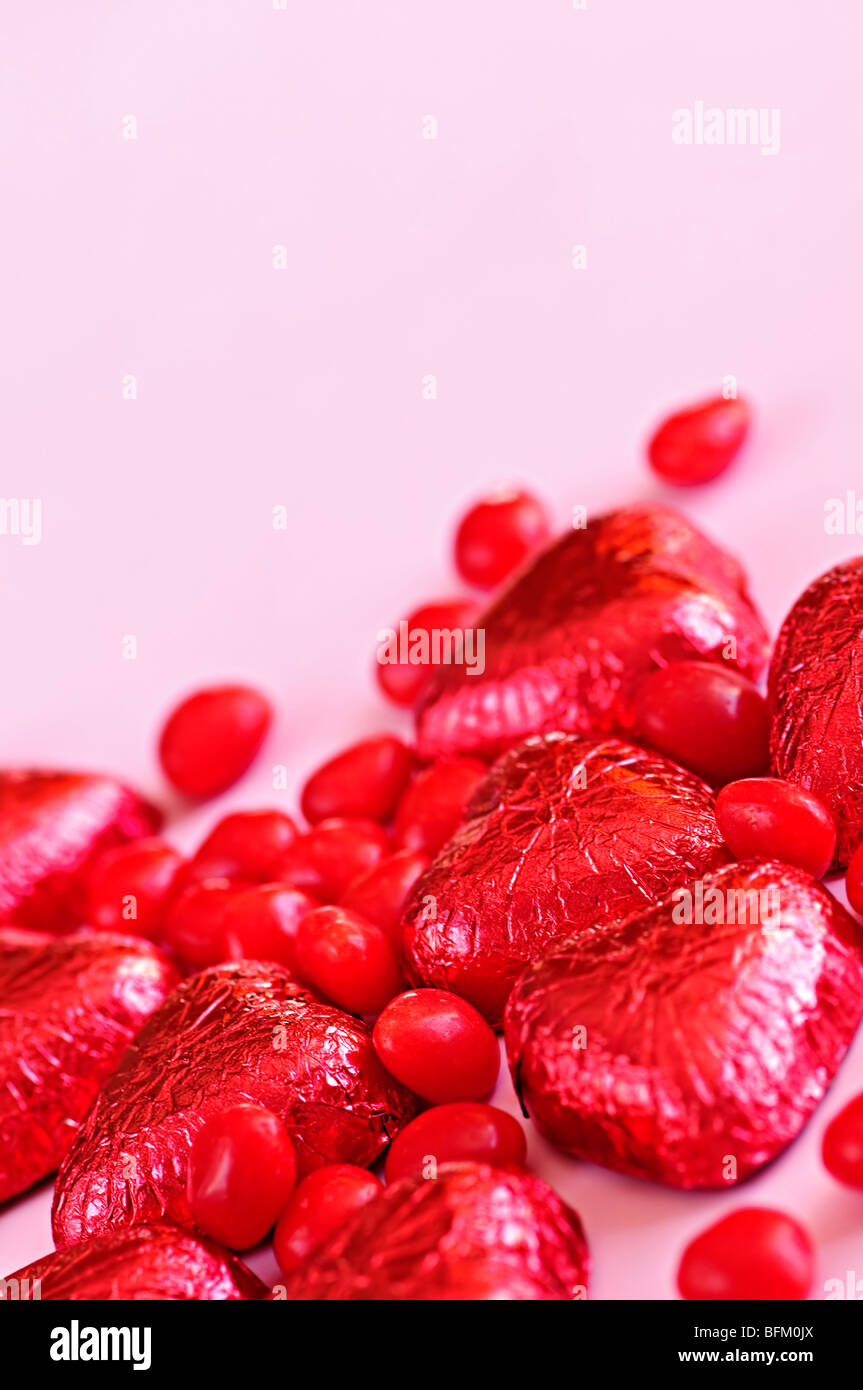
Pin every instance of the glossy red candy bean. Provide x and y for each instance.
(438, 1045)
(465, 1132)
(379, 894)
(755, 1253)
(696, 445)
(709, 719)
(325, 860)
(365, 780)
(242, 1171)
(854, 880)
(347, 959)
(765, 818)
(261, 923)
(244, 845)
(497, 535)
(318, 1206)
(434, 805)
(212, 737)
(194, 923)
(406, 659)
(842, 1148)
(129, 886)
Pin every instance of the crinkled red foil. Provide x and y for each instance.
(568, 641)
(68, 1010)
(52, 826)
(145, 1262)
(236, 1033)
(472, 1232)
(564, 834)
(688, 1053)
(816, 697)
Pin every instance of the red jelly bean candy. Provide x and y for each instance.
(347, 959)
(365, 780)
(754, 1253)
(434, 805)
(497, 535)
(438, 1045)
(324, 861)
(194, 923)
(245, 845)
(764, 818)
(709, 719)
(380, 894)
(262, 922)
(210, 739)
(129, 887)
(698, 444)
(319, 1205)
(842, 1150)
(466, 1132)
(854, 880)
(406, 659)
(242, 1171)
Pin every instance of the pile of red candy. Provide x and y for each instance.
(606, 841)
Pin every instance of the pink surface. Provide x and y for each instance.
(302, 388)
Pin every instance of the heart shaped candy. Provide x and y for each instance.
(683, 1044)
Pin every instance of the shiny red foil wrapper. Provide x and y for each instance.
(68, 1011)
(690, 1052)
(472, 1232)
(816, 698)
(234, 1034)
(52, 827)
(144, 1262)
(568, 641)
(564, 834)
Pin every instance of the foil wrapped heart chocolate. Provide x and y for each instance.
(815, 685)
(235, 1033)
(686, 1045)
(567, 643)
(144, 1262)
(68, 1010)
(472, 1232)
(564, 834)
(52, 827)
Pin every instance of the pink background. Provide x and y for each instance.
(303, 388)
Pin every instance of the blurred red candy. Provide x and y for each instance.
(434, 805)
(367, 780)
(194, 923)
(754, 1253)
(424, 634)
(497, 535)
(842, 1148)
(331, 854)
(379, 894)
(346, 959)
(129, 886)
(696, 445)
(261, 923)
(244, 845)
(211, 738)
(318, 1206)
(465, 1131)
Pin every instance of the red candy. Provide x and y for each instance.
(319, 1206)
(754, 1253)
(854, 880)
(242, 1170)
(434, 805)
(129, 886)
(763, 818)
(842, 1149)
(705, 717)
(366, 780)
(698, 444)
(212, 737)
(194, 923)
(347, 959)
(261, 923)
(379, 894)
(466, 1131)
(244, 845)
(497, 535)
(404, 680)
(324, 861)
(438, 1046)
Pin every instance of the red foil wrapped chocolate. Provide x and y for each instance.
(144, 1262)
(235, 1033)
(567, 643)
(816, 680)
(564, 834)
(52, 827)
(68, 1010)
(686, 1050)
(472, 1232)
